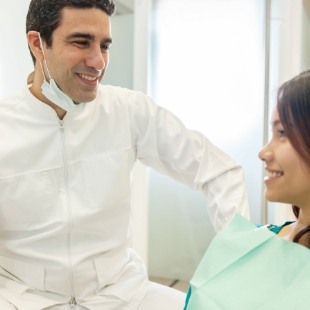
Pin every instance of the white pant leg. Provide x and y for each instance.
(65, 307)
(160, 297)
(6, 305)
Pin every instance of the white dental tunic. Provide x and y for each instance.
(65, 209)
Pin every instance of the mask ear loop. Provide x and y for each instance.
(48, 72)
(42, 71)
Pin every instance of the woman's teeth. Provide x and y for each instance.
(273, 174)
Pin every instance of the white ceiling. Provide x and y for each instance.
(124, 6)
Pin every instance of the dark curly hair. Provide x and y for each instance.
(44, 15)
(293, 103)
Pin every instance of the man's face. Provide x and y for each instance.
(79, 54)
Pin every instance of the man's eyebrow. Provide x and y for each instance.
(80, 35)
(88, 36)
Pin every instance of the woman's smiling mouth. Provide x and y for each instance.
(272, 174)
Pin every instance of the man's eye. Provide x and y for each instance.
(105, 47)
(80, 43)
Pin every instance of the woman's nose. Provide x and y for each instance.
(265, 154)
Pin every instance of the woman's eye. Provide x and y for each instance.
(281, 133)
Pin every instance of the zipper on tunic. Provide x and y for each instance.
(72, 302)
(62, 133)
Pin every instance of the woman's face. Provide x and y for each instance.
(287, 177)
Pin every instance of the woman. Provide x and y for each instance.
(287, 156)
(246, 267)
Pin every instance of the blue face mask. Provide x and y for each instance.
(52, 92)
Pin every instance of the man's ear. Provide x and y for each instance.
(34, 43)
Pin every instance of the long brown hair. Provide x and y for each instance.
(293, 103)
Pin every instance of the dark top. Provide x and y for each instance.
(275, 228)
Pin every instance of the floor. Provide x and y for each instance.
(177, 284)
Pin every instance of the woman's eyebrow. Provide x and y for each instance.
(275, 123)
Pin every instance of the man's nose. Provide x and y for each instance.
(96, 59)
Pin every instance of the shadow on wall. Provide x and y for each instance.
(15, 59)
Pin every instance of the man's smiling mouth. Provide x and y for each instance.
(88, 77)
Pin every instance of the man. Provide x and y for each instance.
(67, 149)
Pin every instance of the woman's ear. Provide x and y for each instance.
(35, 46)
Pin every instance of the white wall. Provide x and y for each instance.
(120, 69)
(15, 60)
(140, 187)
(306, 34)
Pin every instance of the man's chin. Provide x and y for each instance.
(84, 99)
